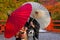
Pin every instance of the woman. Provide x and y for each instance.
(22, 35)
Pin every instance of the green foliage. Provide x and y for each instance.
(56, 15)
(3, 16)
(36, 0)
(6, 5)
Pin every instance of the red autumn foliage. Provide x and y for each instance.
(53, 8)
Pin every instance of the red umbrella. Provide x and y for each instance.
(17, 20)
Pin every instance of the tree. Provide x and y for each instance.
(55, 10)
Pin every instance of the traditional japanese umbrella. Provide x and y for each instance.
(17, 20)
(19, 17)
(41, 14)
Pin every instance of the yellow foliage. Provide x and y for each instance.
(54, 9)
(3, 16)
(9, 5)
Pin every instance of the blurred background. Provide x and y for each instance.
(52, 5)
(7, 6)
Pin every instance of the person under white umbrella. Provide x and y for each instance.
(41, 14)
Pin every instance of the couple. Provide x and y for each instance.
(32, 25)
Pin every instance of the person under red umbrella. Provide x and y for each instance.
(17, 20)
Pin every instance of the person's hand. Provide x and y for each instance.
(17, 35)
(31, 23)
(26, 28)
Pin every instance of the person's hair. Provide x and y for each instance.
(34, 21)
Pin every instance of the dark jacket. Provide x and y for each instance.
(36, 28)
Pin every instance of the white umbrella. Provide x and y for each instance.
(42, 16)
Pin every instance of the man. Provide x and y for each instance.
(33, 24)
